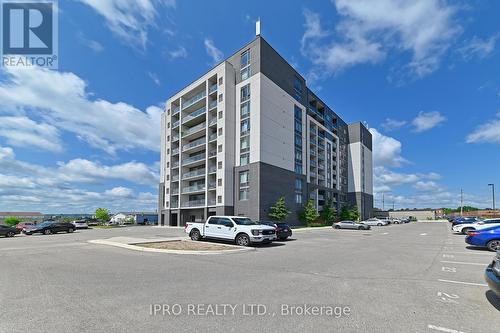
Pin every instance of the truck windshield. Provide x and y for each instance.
(244, 221)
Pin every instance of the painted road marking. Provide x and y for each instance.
(448, 298)
(478, 253)
(443, 329)
(448, 256)
(449, 269)
(424, 234)
(466, 283)
(385, 233)
(463, 263)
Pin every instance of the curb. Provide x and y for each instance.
(312, 228)
(146, 249)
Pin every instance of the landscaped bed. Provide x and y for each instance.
(186, 245)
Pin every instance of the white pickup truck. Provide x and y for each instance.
(242, 230)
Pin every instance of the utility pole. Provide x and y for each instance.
(393, 205)
(383, 201)
(461, 202)
(493, 193)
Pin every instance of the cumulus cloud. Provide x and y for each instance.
(24, 132)
(367, 31)
(63, 102)
(393, 124)
(427, 120)
(386, 150)
(213, 51)
(129, 19)
(488, 132)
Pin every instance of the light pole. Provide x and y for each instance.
(493, 192)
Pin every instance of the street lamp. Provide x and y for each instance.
(493, 192)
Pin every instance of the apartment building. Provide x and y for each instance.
(250, 131)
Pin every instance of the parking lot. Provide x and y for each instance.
(416, 277)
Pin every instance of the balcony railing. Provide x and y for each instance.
(212, 137)
(194, 203)
(176, 123)
(194, 114)
(175, 191)
(187, 103)
(321, 145)
(313, 153)
(212, 104)
(212, 88)
(174, 204)
(194, 188)
(194, 129)
(199, 172)
(212, 153)
(312, 174)
(212, 169)
(211, 203)
(175, 110)
(212, 185)
(192, 144)
(175, 151)
(175, 164)
(313, 163)
(175, 178)
(213, 121)
(314, 130)
(193, 159)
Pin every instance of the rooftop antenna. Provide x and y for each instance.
(257, 27)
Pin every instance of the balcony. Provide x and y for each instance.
(313, 153)
(212, 122)
(175, 151)
(211, 202)
(174, 204)
(193, 144)
(212, 153)
(194, 115)
(193, 188)
(175, 164)
(176, 123)
(312, 163)
(175, 191)
(321, 146)
(212, 186)
(212, 105)
(212, 169)
(314, 130)
(212, 137)
(175, 178)
(191, 101)
(312, 174)
(175, 138)
(175, 110)
(194, 129)
(212, 88)
(195, 173)
(193, 203)
(193, 159)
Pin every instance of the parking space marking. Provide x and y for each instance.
(463, 263)
(475, 253)
(448, 298)
(448, 256)
(449, 269)
(443, 329)
(423, 234)
(465, 283)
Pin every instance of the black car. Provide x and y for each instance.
(492, 275)
(283, 230)
(8, 231)
(50, 227)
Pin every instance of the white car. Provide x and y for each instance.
(375, 221)
(466, 227)
(80, 224)
(242, 230)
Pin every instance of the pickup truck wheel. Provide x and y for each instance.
(242, 240)
(195, 235)
(493, 245)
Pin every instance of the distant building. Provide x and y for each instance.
(486, 213)
(136, 217)
(28, 216)
(418, 214)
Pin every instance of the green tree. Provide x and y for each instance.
(11, 221)
(349, 213)
(102, 214)
(279, 212)
(309, 214)
(328, 214)
(354, 213)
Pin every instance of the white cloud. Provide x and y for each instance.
(213, 51)
(480, 48)
(367, 31)
(91, 44)
(179, 52)
(386, 150)
(393, 124)
(129, 19)
(120, 192)
(62, 101)
(486, 133)
(427, 120)
(155, 78)
(426, 186)
(24, 132)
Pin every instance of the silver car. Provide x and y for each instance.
(350, 225)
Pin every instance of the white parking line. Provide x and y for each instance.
(463, 263)
(475, 253)
(424, 234)
(443, 329)
(466, 283)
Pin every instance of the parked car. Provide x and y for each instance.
(489, 238)
(375, 221)
(50, 227)
(465, 220)
(21, 225)
(350, 225)
(80, 224)
(492, 275)
(242, 230)
(396, 221)
(8, 231)
(283, 230)
(464, 228)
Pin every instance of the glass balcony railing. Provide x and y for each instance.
(193, 159)
(212, 104)
(212, 185)
(312, 174)
(313, 153)
(199, 172)
(175, 138)
(175, 178)
(175, 164)
(175, 151)
(212, 169)
(194, 143)
(176, 123)
(211, 202)
(194, 129)
(174, 204)
(321, 145)
(212, 153)
(188, 102)
(175, 191)
(212, 137)
(194, 203)
(314, 130)
(194, 114)
(212, 88)
(213, 121)
(175, 109)
(313, 163)
(194, 188)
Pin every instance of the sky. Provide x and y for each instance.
(424, 76)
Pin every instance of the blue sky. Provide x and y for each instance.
(424, 76)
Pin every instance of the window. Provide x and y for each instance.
(298, 126)
(221, 81)
(298, 199)
(245, 93)
(244, 159)
(221, 98)
(168, 125)
(297, 87)
(243, 194)
(168, 151)
(219, 165)
(221, 114)
(244, 185)
(245, 110)
(219, 148)
(245, 144)
(168, 177)
(219, 199)
(245, 73)
(168, 164)
(168, 138)
(168, 112)
(298, 184)
(245, 59)
(213, 220)
(245, 126)
(298, 139)
(220, 131)
(167, 190)
(298, 112)
(219, 182)
(243, 178)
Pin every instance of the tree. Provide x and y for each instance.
(11, 221)
(279, 211)
(349, 213)
(309, 213)
(328, 214)
(102, 214)
(354, 213)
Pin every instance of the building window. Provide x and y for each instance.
(219, 165)
(219, 199)
(298, 199)
(219, 182)
(245, 110)
(168, 125)
(245, 93)
(168, 164)
(221, 81)
(221, 98)
(168, 112)
(244, 179)
(168, 177)
(297, 87)
(245, 73)
(244, 194)
(220, 131)
(244, 159)
(298, 139)
(168, 151)
(221, 114)
(245, 59)
(245, 144)
(298, 184)
(168, 138)
(219, 148)
(244, 185)
(245, 126)
(167, 190)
